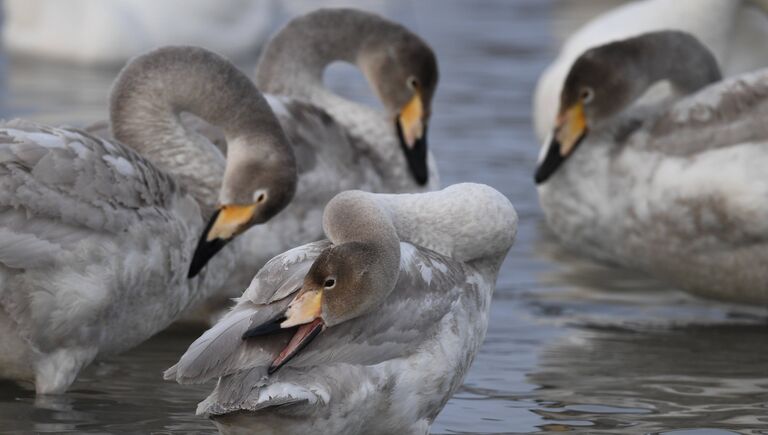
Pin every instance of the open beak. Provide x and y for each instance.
(303, 313)
(225, 224)
(412, 132)
(570, 130)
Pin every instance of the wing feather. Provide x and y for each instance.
(411, 316)
(727, 113)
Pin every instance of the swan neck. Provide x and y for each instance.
(294, 61)
(153, 90)
(467, 222)
(680, 58)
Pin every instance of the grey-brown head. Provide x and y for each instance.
(345, 281)
(607, 79)
(402, 69)
(399, 66)
(259, 181)
(348, 281)
(260, 175)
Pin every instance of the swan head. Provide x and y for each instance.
(345, 282)
(599, 85)
(402, 70)
(259, 182)
(607, 79)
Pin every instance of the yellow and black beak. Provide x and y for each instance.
(225, 224)
(570, 130)
(303, 314)
(412, 132)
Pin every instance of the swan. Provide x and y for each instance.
(95, 32)
(369, 331)
(676, 189)
(735, 32)
(96, 236)
(339, 144)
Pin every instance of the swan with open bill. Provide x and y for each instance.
(339, 144)
(370, 331)
(96, 236)
(676, 189)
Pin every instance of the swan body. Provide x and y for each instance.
(97, 32)
(734, 31)
(675, 189)
(81, 256)
(392, 368)
(97, 236)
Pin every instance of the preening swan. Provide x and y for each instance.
(370, 331)
(96, 236)
(676, 188)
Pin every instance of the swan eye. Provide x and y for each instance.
(329, 283)
(587, 95)
(412, 83)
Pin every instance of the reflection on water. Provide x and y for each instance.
(710, 376)
(572, 346)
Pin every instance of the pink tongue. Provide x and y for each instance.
(297, 341)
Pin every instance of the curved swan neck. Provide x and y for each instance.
(356, 216)
(294, 60)
(153, 90)
(467, 222)
(627, 68)
(678, 57)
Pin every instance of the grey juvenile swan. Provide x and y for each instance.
(339, 144)
(370, 331)
(677, 189)
(96, 236)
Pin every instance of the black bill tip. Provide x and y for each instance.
(554, 159)
(205, 250)
(415, 155)
(267, 328)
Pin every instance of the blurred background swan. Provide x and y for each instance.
(109, 32)
(735, 31)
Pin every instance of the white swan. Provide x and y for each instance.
(339, 144)
(734, 30)
(96, 237)
(112, 31)
(370, 331)
(676, 189)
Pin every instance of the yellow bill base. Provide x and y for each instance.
(304, 309)
(411, 120)
(571, 126)
(230, 219)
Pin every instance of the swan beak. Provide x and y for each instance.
(570, 130)
(227, 222)
(304, 311)
(412, 132)
(305, 308)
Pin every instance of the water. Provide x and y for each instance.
(572, 346)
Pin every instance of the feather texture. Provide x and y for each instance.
(393, 367)
(92, 237)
